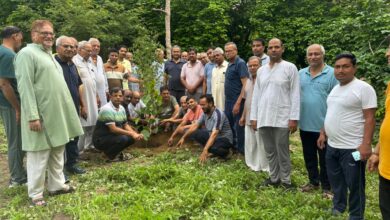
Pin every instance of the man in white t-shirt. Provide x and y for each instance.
(349, 127)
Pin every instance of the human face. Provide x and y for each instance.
(116, 98)
(176, 53)
(258, 48)
(275, 50)
(388, 56)
(184, 56)
(253, 66)
(210, 54)
(18, 40)
(85, 51)
(183, 104)
(44, 36)
(122, 52)
(206, 107)
(165, 95)
(230, 52)
(75, 46)
(204, 58)
(192, 104)
(344, 71)
(218, 58)
(113, 57)
(95, 48)
(192, 56)
(129, 56)
(65, 50)
(314, 56)
(127, 97)
(135, 99)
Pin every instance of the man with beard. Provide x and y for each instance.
(212, 131)
(49, 119)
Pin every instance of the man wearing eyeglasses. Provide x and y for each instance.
(48, 116)
(87, 72)
(64, 48)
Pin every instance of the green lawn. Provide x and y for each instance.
(175, 186)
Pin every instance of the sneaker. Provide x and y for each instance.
(75, 170)
(268, 182)
(309, 187)
(13, 184)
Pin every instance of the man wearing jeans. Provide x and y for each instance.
(349, 126)
(10, 104)
(216, 136)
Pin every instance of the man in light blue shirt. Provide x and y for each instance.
(208, 69)
(316, 81)
(258, 46)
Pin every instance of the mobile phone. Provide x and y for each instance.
(356, 155)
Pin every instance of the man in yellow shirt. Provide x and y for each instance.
(381, 156)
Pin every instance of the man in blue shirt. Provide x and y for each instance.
(316, 81)
(10, 104)
(208, 70)
(172, 69)
(235, 79)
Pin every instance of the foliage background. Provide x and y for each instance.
(359, 26)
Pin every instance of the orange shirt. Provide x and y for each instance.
(192, 116)
(384, 140)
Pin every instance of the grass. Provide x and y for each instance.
(175, 186)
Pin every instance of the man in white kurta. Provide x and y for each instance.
(87, 72)
(254, 148)
(275, 111)
(218, 78)
(101, 80)
(48, 116)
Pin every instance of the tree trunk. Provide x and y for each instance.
(168, 28)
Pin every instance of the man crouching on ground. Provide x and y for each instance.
(112, 133)
(212, 130)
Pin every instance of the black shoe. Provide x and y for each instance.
(287, 186)
(75, 170)
(268, 182)
(67, 180)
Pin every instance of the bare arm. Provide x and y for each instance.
(210, 142)
(191, 130)
(236, 107)
(369, 127)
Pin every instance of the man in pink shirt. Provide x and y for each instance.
(192, 75)
(193, 113)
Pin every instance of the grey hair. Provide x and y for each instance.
(321, 47)
(176, 46)
(83, 43)
(91, 40)
(254, 58)
(218, 50)
(60, 39)
(231, 43)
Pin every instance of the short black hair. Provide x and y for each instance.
(190, 97)
(209, 98)
(347, 55)
(115, 90)
(192, 49)
(9, 31)
(163, 88)
(259, 40)
(122, 46)
(112, 50)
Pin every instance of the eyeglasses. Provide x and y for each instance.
(68, 46)
(47, 34)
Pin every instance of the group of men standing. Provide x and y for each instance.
(251, 107)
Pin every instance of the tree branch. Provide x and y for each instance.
(159, 9)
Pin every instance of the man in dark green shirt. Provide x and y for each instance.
(10, 103)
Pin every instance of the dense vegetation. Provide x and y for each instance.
(359, 26)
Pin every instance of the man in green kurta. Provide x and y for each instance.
(48, 117)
